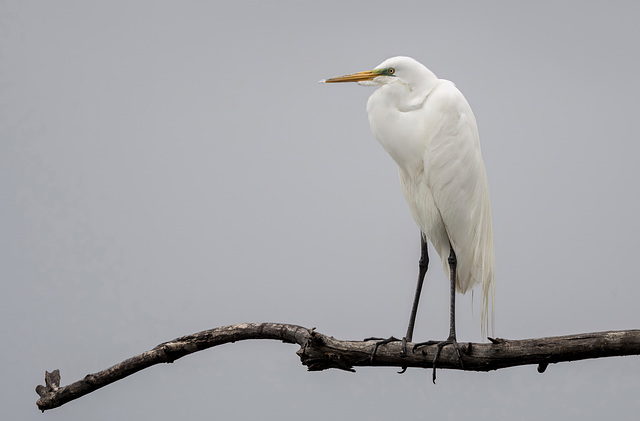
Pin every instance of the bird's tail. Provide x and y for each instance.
(488, 285)
(478, 269)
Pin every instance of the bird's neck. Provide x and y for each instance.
(411, 97)
(396, 130)
(397, 122)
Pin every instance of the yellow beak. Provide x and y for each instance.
(353, 77)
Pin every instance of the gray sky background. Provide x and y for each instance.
(172, 167)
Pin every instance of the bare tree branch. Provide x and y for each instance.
(321, 352)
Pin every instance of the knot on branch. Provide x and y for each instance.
(317, 356)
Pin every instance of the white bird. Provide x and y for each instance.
(428, 128)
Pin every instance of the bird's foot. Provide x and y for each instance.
(451, 340)
(381, 341)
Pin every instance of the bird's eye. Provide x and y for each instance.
(391, 71)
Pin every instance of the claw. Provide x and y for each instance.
(404, 347)
(404, 354)
(439, 346)
(380, 342)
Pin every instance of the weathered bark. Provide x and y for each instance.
(321, 352)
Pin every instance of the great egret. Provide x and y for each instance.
(428, 128)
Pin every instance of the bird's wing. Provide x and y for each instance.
(456, 175)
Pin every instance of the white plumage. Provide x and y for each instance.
(427, 127)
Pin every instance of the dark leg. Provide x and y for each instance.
(453, 261)
(423, 266)
(452, 318)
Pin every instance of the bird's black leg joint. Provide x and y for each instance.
(452, 259)
(423, 263)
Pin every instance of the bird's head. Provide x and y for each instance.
(401, 70)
